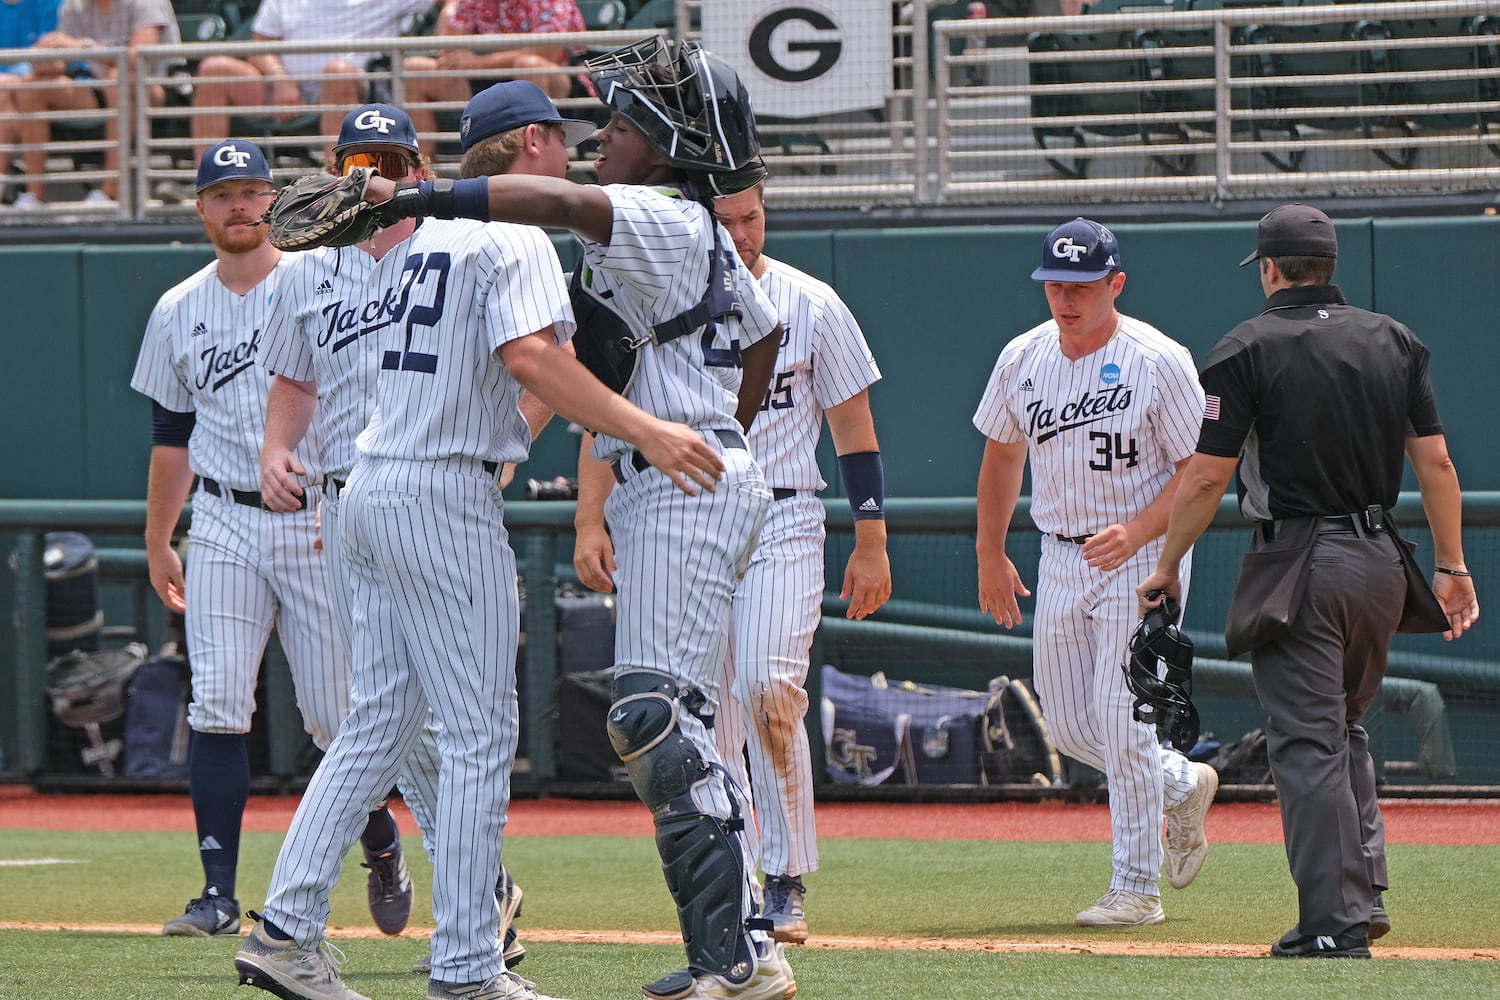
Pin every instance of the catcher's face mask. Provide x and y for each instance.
(1159, 672)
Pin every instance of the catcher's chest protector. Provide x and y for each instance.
(604, 342)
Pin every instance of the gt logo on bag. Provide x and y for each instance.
(844, 751)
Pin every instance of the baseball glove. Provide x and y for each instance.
(321, 210)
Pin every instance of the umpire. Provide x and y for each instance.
(1314, 401)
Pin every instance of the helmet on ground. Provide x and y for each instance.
(1159, 672)
(690, 105)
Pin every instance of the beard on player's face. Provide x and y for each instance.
(235, 235)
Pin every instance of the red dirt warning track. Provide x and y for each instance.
(1407, 821)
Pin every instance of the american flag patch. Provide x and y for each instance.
(1210, 407)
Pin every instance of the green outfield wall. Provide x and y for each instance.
(936, 304)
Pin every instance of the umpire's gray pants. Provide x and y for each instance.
(1315, 684)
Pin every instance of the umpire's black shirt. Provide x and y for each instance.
(1317, 398)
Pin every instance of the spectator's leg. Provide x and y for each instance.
(557, 82)
(344, 95)
(223, 83)
(10, 134)
(429, 90)
(35, 131)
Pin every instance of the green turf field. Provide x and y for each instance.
(1006, 891)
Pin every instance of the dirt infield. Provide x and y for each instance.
(1407, 821)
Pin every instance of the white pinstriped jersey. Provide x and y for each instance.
(441, 390)
(323, 328)
(198, 355)
(1104, 432)
(694, 379)
(823, 361)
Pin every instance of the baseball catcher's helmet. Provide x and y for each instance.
(689, 104)
(1159, 672)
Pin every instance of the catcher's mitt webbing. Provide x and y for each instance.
(441, 199)
(322, 210)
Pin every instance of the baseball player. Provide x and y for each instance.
(321, 341)
(824, 369)
(1108, 409)
(247, 568)
(670, 317)
(477, 310)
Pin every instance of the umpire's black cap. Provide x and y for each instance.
(1081, 250)
(1294, 231)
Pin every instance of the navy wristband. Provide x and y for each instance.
(471, 199)
(864, 481)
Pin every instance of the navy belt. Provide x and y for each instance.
(782, 493)
(248, 498)
(490, 469)
(1075, 539)
(637, 461)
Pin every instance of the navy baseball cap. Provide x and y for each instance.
(377, 125)
(512, 104)
(1294, 231)
(230, 160)
(1081, 250)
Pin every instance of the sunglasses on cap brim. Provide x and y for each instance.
(393, 163)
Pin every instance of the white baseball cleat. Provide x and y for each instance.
(1121, 908)
(1187, 843)
(291, 972)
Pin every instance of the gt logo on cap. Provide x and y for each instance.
(373, 120)
(1065, 247)
(231, 156)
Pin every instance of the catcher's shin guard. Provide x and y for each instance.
(701, 856)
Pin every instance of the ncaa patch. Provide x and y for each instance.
(1109, 374)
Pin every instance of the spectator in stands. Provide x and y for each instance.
(22, 22)
(474, 71)
(226, 81)
(88, 24)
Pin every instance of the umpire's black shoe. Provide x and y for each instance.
(1380, 920)
(1353, 943)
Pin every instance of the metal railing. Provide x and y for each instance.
(537, 531)
(1211, 106)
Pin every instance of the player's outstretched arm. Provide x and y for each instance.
(562, 383)
(526, 198)
(169, 480)
(1000, 584)
(593, 549)
(290, 406)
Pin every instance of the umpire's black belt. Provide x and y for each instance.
(249, 498)
(729, 439)
(1365, 523)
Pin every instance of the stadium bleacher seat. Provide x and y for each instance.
(1123, 80)
(603, 15)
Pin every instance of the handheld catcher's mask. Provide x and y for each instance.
(1159, 672)
(690, 105)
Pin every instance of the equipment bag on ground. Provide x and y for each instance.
(876, 730)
